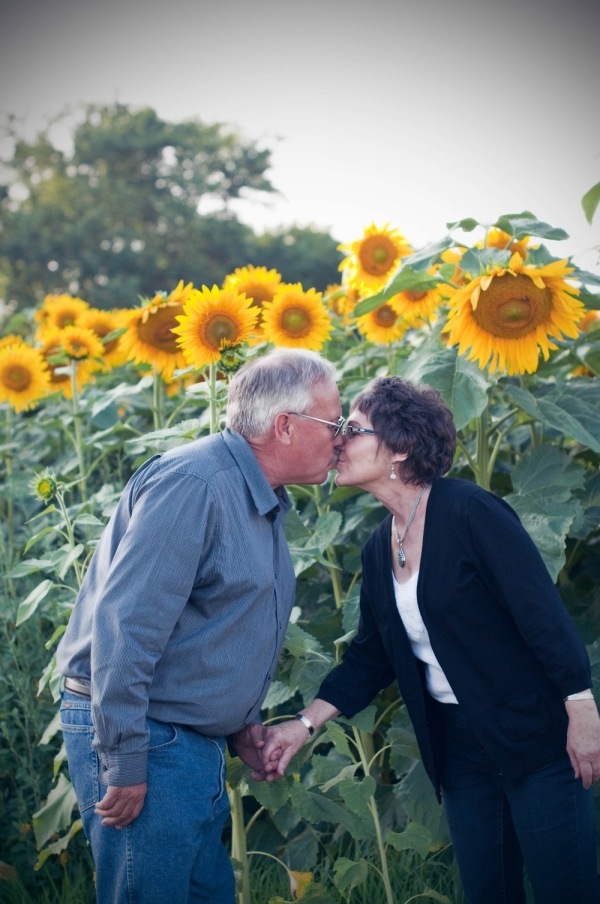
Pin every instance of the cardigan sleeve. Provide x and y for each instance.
(514, 572)
(365, 668)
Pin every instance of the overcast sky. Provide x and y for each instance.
(381, 110)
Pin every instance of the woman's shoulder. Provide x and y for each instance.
(463, 497)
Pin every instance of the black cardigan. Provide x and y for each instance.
(497, 625)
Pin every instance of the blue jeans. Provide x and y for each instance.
(545, 819)
(172, 853)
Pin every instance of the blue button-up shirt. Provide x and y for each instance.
(183, 610)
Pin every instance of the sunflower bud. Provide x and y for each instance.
(232, 358)
(44, 486)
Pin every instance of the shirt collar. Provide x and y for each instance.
(265, 498)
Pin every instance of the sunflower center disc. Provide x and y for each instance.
(67, 320)
(156, 331)
(296, 321)
(415, 296)
(220, 329)
(513, 306)
(385, 316)
(377, 255)
(78, 350)
(17, 378)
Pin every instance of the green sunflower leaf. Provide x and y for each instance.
(590, 202)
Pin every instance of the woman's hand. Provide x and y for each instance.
(583, 740)
(285, 740)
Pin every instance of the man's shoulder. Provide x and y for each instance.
(204, 458)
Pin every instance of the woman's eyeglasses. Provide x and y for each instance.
(348, 430)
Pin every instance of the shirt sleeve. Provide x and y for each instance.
(514, 572)
(365, 669)
(148, 585)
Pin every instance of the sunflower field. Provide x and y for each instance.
(505, 330)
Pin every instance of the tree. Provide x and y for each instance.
(119, 217)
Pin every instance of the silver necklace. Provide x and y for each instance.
(400, 539)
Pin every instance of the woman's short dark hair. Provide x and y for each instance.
(413, 419)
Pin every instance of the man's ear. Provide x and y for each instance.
(283, 429)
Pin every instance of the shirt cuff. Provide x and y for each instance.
(123, 769)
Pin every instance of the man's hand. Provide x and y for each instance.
(120, 806)
(249, 744)
(583, 740)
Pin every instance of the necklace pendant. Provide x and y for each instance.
(401, 557)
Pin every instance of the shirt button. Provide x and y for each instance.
(500, 775)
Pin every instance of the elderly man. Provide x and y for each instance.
(177, 630)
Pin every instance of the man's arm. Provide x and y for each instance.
(147, 588)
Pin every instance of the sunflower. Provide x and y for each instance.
(58, 312)
(507, 315)
(259, 285)
(414, 305)
(52, 348)
(149, 338)
(497, 238)
(102, 323)
(24, 376)
(341, 300)
(213, 320)
(296, 319)
(80, 343)
(383, 325)
(371, 260)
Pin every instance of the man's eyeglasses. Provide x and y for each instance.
(337, 428)
(340, 426)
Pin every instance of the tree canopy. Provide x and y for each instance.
(118, 217)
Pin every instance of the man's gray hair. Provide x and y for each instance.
(280, 381)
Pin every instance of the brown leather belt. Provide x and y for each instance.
(76, 687)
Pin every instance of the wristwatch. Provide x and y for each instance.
(306, 724)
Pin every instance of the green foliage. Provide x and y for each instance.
(118, 218)
(356, 808)
(461, 383)
(590, 202)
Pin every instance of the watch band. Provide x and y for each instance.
(306, 724)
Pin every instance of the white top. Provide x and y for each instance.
(406, 601)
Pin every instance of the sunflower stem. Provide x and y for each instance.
(10, 513)
(239, 851)
(212, 382)
(360, 737)
(331, 555)
(70, 533)
(482, 457)
(77, 418)
(157, 400)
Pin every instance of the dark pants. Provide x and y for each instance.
(545, 819)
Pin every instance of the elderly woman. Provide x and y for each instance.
(458, 606)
